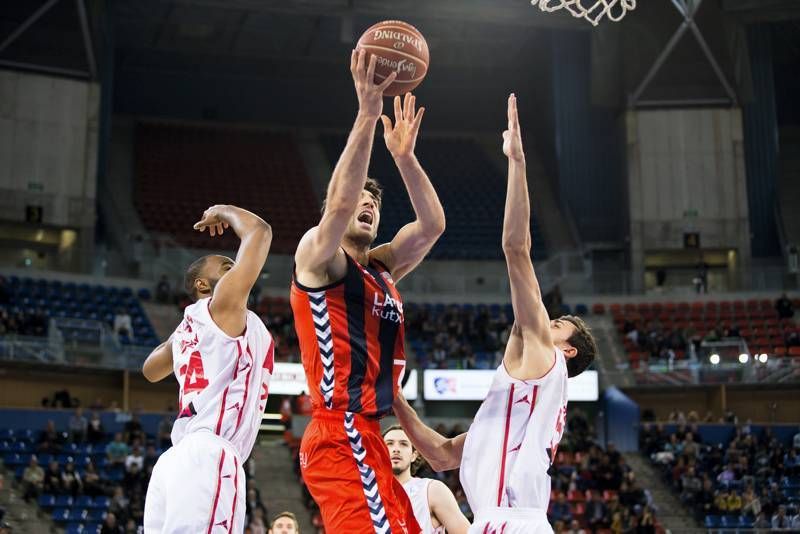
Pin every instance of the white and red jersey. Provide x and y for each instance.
(417, 490)
(513, 440)
(224, 380)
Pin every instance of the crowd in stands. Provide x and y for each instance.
(751, 480)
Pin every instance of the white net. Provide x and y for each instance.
(591, 10)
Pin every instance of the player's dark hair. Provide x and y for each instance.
(584, 343)
(192, 274)
(372, 186)
(288, 514)
(417, 464)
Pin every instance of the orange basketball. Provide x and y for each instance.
(400, 47)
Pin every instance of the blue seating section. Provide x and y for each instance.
(471, 189)
(81, 306)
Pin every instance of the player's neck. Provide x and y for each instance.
(357, 251)
(404, 477)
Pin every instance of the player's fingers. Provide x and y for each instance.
(509, 107)
(418, 120)
(211, 231)
(407, 107)
(373, 60)
(360, 62)
(398, 111)
(387, 125)
(220, 229)
(353, 61)
(515, 112)
(388, 81)
(226, 224)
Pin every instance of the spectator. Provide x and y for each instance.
(751, 505)
(165, 432)
(285, 523)
(110, 525)
(784, 307)
(796, 522)
(92, 483)
(150, 458)
(52, 479)
(133, 429)
(727, 475)
(560, 510)
(575, 528)
(117, 450)
(762, 522)
(796, 441)
(780, 520)
(78, 426)
(131, 527)
(135, 458)
(97, 405)
(95, 431)
(123, 326)
(595, 511)
(692, 486)
(50, 440)
(119, 503)
(71, 482)
(257, 525)
(32, 480)
(163, 290)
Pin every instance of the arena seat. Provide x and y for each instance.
(471, 189)
(183, 169)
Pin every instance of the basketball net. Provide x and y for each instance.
(591, 10)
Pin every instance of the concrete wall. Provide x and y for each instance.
(686, 174)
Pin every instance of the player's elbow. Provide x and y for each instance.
(515, 249)
(435, 228)
(264, 233)
(148, 373)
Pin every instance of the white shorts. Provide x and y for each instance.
(197, 486)
(510, 521)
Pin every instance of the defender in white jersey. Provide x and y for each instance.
(222, 356)
(434, 505)
(505, 455)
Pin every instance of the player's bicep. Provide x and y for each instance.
(444, 508)
(320, 244)
(233, 289)
(530, 314)
(407, 249)
(158, 364)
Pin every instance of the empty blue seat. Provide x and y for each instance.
(713, 521)
(730, 521)
(47, 500)
(84, 501)
(78, 514)
(63, 501)
(61, 515)
(101, 503)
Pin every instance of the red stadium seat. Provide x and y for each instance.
(794, 351)
(598, 309)
(780, 351)
(575, 496)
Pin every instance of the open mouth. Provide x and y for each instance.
(365, 217)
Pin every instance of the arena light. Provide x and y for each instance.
(743, 357)
(714, 359)
(762, 358)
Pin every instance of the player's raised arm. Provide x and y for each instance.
(229, 301)
(441, 453)
(318, 247)
(158, 364)
(530, 316)
(444, 508)
(415, 239)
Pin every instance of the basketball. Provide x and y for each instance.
(399, 47)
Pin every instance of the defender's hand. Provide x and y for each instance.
(370, 95)
(402, 137)
(512, 138)
(213, 219)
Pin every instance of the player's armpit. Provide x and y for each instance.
(444, 508)
(408, 248)
(158, 364)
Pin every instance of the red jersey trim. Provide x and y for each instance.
(505, 446)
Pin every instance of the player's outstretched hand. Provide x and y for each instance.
(512, 138)
(213, 219)
(370, 94)
(402, 137)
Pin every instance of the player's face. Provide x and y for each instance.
(363, 227)
(560, 332)
(400, 450)
(283, 525)
(215, 268)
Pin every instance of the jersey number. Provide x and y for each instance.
(194, 379)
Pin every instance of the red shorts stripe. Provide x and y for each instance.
(216, 494)
(235, 491)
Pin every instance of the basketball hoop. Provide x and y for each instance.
(591, 10)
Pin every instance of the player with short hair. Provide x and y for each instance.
(435, 506)
(512, 442)
(222, 356)
(284, 523)
(349, 318)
